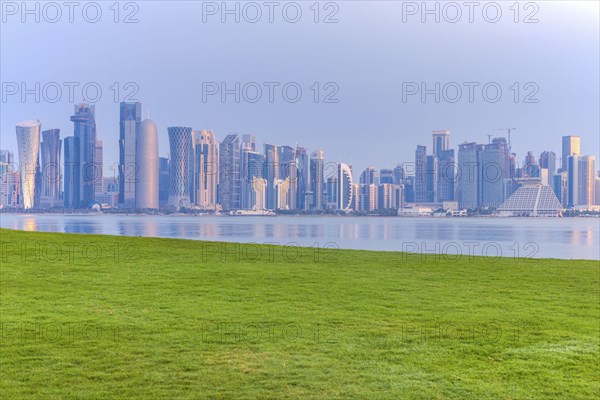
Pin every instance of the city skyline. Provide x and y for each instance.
(235, 172)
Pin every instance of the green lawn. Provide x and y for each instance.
(97, 317)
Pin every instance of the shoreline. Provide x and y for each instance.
(203, 215)
(243, 246)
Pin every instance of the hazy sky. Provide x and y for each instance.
(367, 55)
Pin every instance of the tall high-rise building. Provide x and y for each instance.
(355, 197)
(386, 176)
(146, 160)
(303, 168)
(271, 172)
(441, 141)
(586, 181)
(572, 180)
(446, 175)
(7, 157)
(252, 165)
(282, 187)
(229, 185)
(531, 169)
(317, 165)
(163, 181)
(571, 146)
(84, 121)
(180, 144)
(560, 187)
(289, 169)
(468, 179)
(248, 142)
(28, 142)
(548, 161)
(258, 199)
(597, 191)
(421, 174)
(72, 178)
(368, 178)
(495, 167)
(286, 157)
(130, 119)
(345, 191)
(10, 185)
(99, 163)
(206, 169)
(51, 165)
(431, 179)
(387, 196)
(399, 175)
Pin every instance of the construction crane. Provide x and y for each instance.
(507, 130)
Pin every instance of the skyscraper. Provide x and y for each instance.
(146, 160)
(548, 161)
(303, 168)
(271, 172)
(586, 181)
(72, 178)
(560, 186)
(229, 185)
(282, 187)
(99, 163)
(421, 174)
(572, 180)
(571, 146)
(441, 141)
(51, 165)
(7, 157)
(440, 170)
(446, 175)
(206, 169)
(431, 179)
(398, 175)
(368, 178)
(248, 142)
(386, 176)
(468, 175)
(180, 144)
(317, 164)
(495, 167)
(289, 169)
(531, 168)
(163, 181)
(258, 200)
(28, 142)
(251, 170)
(345, 191)
(129, 122)
(84, 121)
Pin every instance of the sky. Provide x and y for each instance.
(369, 60)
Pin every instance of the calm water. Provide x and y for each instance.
(528, 237)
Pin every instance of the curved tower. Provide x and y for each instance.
(345, 192)
(28, 143)
(180, 143)
(146, 161)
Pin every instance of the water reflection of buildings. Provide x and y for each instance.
(30, 224)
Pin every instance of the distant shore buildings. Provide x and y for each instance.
(234, 174)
